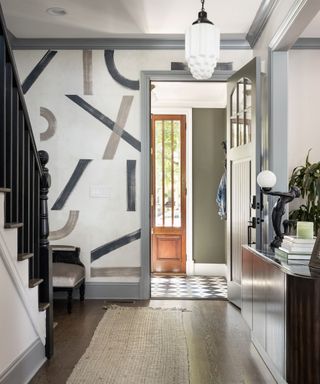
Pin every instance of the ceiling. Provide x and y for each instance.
(313, 29)
(189, 94)
(127, 18)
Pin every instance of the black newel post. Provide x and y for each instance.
(46, 291)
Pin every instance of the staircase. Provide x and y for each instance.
(24, 183)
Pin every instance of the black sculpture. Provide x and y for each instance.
(279, 210)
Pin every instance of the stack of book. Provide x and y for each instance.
(294, 248)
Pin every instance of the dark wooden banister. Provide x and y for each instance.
(24, 175)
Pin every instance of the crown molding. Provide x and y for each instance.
(260, 21)
(162, 42)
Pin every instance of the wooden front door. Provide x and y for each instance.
(168, 200)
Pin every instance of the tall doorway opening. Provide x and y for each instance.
(187, 162)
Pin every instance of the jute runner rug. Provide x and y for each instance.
(135, 346)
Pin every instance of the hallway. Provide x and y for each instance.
(219, 347)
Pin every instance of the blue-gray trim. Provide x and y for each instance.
(75, 177)
(105, 120)
(162, 42)
(114, 244)
(131, 185)
(25, 366)
(278, 123)
(37, 70)
(307, 43)
(146, 78)
(260, 21)
(112, 291)
(116, 75)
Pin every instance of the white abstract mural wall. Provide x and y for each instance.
(84, 107)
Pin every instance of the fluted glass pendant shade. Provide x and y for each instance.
(202, 47)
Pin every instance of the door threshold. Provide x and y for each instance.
(158, 274)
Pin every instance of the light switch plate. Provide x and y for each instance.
(100, 191)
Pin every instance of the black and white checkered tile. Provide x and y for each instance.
(189, 287)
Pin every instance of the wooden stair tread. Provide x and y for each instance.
(5, 190)
(34, 282)
(24, 256)
(43, 306)
(13, 225)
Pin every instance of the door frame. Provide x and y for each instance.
(188, 114)
(145, 100)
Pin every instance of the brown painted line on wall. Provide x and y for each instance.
(115, 272)
(52, 123)
(87, 71)
(67, 228)
(120, 123)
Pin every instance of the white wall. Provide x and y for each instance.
(79, 135)
(303, 108)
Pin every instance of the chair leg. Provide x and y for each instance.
(69, 304)
(82, 290)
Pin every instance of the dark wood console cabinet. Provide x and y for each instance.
(281, 305)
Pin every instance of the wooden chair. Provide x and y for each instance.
(68, 272)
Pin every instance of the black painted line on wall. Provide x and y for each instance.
(131, 185)
(116, 75)
(105, 120)
(115, 244)
(37, 70)
(75, 177)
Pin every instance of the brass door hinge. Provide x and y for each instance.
(152, 202)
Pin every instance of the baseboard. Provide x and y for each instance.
(25, 366)
(210, 269)
(107, 291)
(269, 364)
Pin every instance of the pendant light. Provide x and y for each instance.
(202, 46)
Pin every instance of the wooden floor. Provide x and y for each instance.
(220, 351)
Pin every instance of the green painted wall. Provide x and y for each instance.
(208, 131)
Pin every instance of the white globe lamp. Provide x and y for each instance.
(266, 180)
(202, 46)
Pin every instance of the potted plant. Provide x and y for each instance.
(307, 178)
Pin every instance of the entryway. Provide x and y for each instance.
(188, 133)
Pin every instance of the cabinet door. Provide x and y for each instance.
(259, 300)
(275, 308)
(246, 286)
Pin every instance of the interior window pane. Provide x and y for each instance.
(248, 125)
(158, 206)
(177, 172)
(248, 92)
(234, 132)
(168, 173)
(234, 103)
(241, 95)
(241, 129)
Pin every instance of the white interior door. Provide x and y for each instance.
(243, 165)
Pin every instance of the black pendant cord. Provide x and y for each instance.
(202, 15)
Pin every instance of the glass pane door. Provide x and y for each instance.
(167, 172)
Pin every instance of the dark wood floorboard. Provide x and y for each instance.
(219, 346)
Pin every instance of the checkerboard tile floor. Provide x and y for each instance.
(189, 287)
